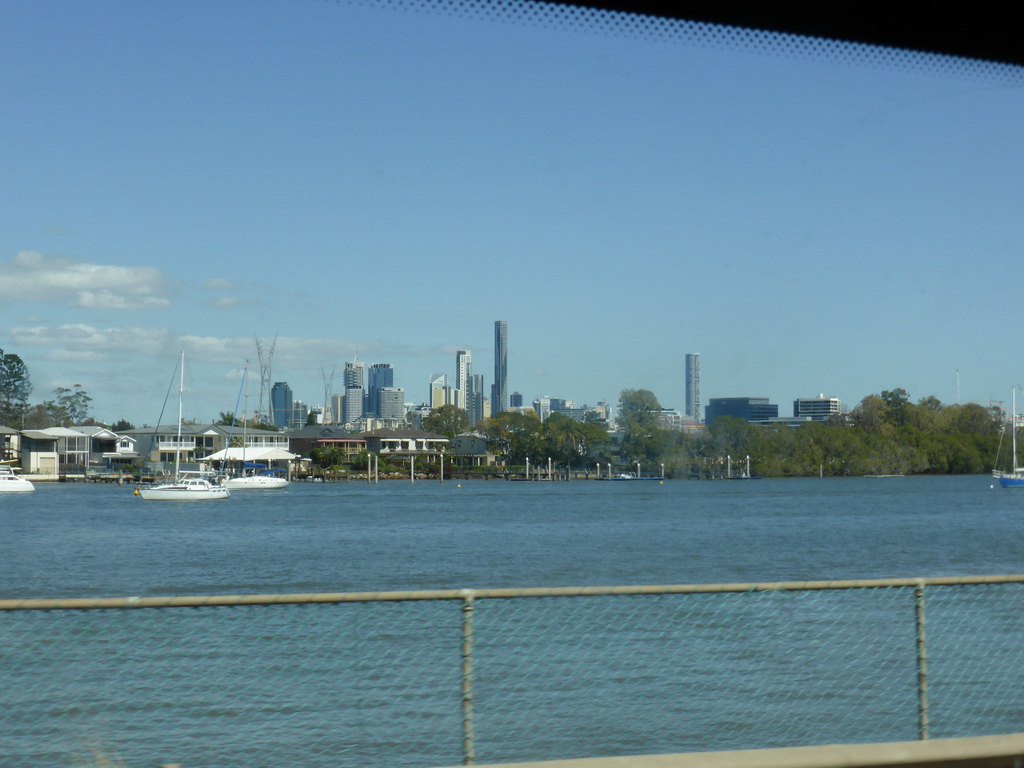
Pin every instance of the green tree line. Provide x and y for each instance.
(885, 433)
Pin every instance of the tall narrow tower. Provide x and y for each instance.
(499, 390)
(693, 385)
(463, 377)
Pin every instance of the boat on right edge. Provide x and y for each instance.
(1015, 477)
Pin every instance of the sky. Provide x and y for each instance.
(343, 180)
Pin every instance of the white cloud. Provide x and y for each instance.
(220, 284)
(226, 301)
(32, 276)
(75, 343)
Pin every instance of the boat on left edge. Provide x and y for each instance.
(186, 486)
(12, 483)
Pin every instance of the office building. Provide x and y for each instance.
(353, 404)
(515, 400)
(818, 408)
(693, 386)
(280, 404)
(391, 403)
(542, 405)
(440, 392)
(355, 375)
(299, 414)
(499, 389)
(753, 409)
(475, 399)
(382, 375)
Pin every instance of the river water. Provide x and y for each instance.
(83, 540)
(379, 683)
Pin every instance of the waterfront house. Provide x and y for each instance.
(469, 450)
(38, 452)
(404, 442)
(10, 445)
(327, 436)
(159, 446)
(107, 450)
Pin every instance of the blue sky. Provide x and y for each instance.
(355, 178)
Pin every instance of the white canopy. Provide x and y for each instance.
(251, 454)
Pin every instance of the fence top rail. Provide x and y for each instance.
(198, 601)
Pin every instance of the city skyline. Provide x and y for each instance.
(811, 226)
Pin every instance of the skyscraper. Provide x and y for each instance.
(499, 389)
(463, 377)
(381, 375)
(280, 404)
(352, 406)
(475, 401)
(354, 375)
(693, 385)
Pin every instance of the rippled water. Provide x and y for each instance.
(379, 683)
(71, 540)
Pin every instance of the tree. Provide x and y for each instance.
(15, 387)
(122, 425)
(513, 436)
(642, 439)
(871, 414)
(448, 420)
(226, 419)
(73, 404)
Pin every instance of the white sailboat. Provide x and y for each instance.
(252, 478)
(1015, 477)
(187, 486)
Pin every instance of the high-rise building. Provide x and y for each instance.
(463, 376)
(337, 407)
(440, 394)
(381, 375)
(475, 399)
(542, 405)
(391, 403)
(516, 400)
(355, 375)
(353, 405)
(280, 404)
(299, 414)
(693, 386)
(499, 389)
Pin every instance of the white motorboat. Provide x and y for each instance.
(12, 483)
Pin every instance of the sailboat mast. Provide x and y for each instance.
(1013, 425)
(245, 407)
(181, 390)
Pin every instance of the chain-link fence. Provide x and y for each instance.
(439, 678)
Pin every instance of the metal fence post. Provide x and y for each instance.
(922, 664)
(468, 747)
